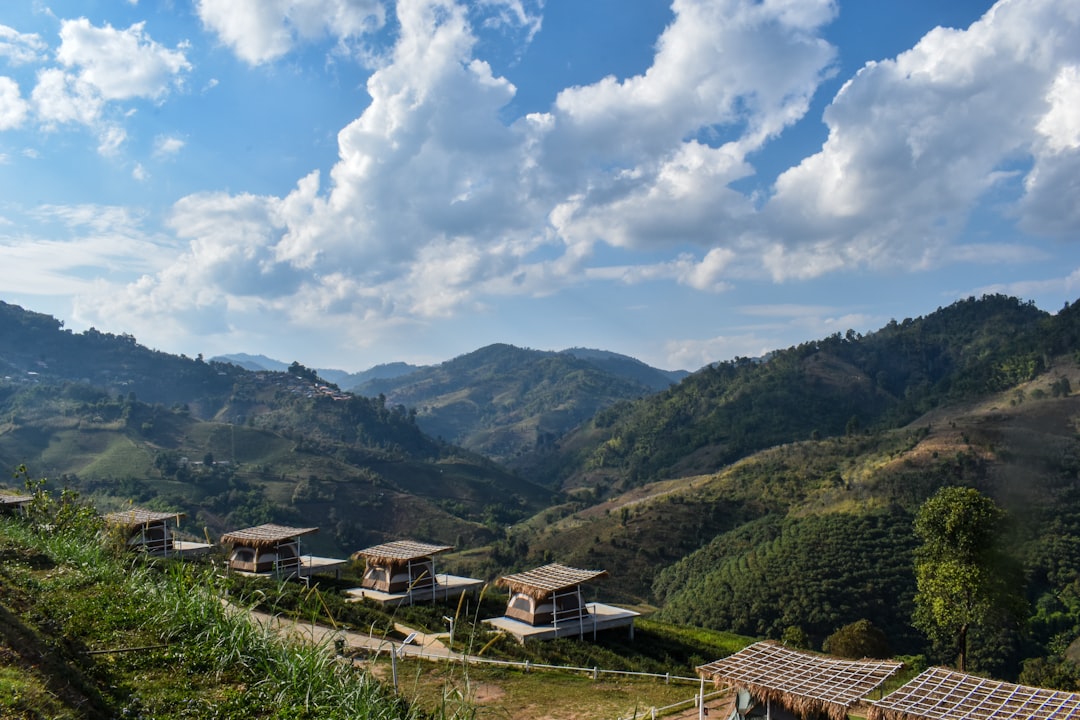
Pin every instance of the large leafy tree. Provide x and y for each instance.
(965, 578)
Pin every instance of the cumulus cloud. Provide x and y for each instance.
(99, 65)
(259, 31)
(120, 64)
(13, 108)
(437, 204)
(916, 141)
(60, 97)
(20, 48)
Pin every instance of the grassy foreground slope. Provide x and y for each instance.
(85, 633)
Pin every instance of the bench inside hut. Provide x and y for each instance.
(771, 681)
(152, 532)
(547, 602)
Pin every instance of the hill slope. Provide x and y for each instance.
(506, 402)
(818, 389)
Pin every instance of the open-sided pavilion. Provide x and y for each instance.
(777, 682)
(943, 694)
(546, 602)
(403, 572)
(151, 531)
(274, 550)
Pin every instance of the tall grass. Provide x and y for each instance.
(166, 631)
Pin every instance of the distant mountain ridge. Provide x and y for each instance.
(342, 378)
(761, 495)
(507, 402)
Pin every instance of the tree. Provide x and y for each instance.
(963, 575)
(860, 639)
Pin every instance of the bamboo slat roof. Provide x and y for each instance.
(549, 578)
(140, 517)
(265, 535)
(805, 683)
(943, 694)
(401, 551)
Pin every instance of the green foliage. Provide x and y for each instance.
(817, 573)
(106, 638)
(860, 639)
(965, 578)
(835, 386)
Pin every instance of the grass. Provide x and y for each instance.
(88, 632)
(494, 692)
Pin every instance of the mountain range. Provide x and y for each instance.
(770, 496)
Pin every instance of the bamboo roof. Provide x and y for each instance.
(265, 535)
(400, 551)
(943, 694)
(547, 579)
(806, 683)
(141, 517)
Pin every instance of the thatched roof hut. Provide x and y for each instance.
(943, 694)
(400, 566)
(805, 684)
(545, 580)
(548, 594)
(146, 530)
(266, 548)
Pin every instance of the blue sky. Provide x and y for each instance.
(352, 182)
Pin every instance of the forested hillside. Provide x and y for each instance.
(233, 448)
(773, 497)
(507, 402)
(818, 389)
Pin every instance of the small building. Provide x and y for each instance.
(274, 550)
(403, 572)
(943, 694)
(152, 532)
(547, 603)
(772, 681)
(11, 504)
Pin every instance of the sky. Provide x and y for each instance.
(345, 183)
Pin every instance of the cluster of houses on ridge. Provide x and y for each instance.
(546, 602)
(766, 680)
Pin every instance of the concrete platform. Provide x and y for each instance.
(447, 587)
(183, 548)
(600, 617)
(309, 565)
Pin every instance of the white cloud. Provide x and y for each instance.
(167, 145)
(110, 139)
(120, 64)
(103, 241)
(259, 31)
(20, 48)
(13, 108)
(436, 205)
(140, 173)
(915, 142)
(60, 97)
